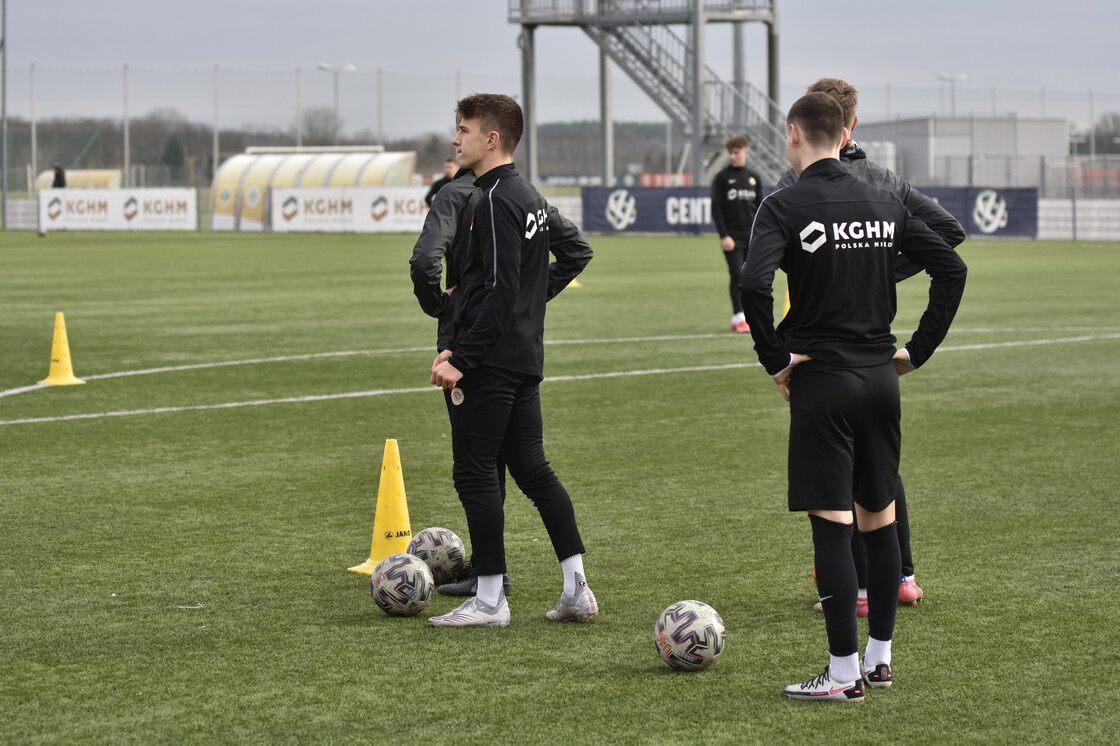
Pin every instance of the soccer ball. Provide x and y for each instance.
(401, 585)
(689, 635)
(442, 551)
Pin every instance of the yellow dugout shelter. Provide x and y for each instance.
(241, 184)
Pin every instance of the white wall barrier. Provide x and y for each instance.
(347, 209)
(118, 209)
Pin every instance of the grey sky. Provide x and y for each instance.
(1020, 57)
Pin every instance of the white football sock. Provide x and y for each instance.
(489, 590)
(738, 317)
(878, 651)
(570, 566)
(844, 668)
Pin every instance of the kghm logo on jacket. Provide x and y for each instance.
(857, 234)
(533, 221)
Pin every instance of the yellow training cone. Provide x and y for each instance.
(575, 284)
(391, 530)
(62, 372)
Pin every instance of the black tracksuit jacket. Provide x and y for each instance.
(446, 228)
(837, 237)
(736, 193)
(854, 158)
(507, 277)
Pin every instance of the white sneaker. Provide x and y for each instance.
(582, 608)
(825, 688)
(878, 676)
(474, 613)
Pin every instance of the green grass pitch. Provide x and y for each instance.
(173, 569)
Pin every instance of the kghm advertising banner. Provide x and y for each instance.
(991, 212)
(118, 209)
(348, 210)
(647, 210)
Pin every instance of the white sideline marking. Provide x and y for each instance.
(417, 389)
(393, 350)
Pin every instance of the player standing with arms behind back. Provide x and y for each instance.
(834, 360)
(492, 371)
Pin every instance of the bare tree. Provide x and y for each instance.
(320, 126)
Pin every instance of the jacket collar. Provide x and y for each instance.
(505, 170)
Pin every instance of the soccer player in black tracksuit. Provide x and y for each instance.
(447, 228)
(492, 371)
(736, 192)
(853, 157)
(833, 358)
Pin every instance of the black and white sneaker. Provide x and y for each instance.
(877, 676)
(468, 586)
(826, 689)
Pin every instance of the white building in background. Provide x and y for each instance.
(976, 151)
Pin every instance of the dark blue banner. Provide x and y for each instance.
(982, 211)
(647, 210)
(990, 212)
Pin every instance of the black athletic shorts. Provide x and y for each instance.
(844, 437)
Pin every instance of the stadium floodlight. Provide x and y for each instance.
(329, 68)
(952, 81)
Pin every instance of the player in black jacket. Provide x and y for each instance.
(943, 224)
(446, 231)
(450, 170)
(833, 358)
(736, 192)
(492, 371)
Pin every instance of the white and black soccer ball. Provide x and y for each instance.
(442, 551)
(402, 585)
(689, 635)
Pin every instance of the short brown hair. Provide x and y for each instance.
(820, 118)
(497, 113)
(843, 93)
(738, 141)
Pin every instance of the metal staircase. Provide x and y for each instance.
(637, 36)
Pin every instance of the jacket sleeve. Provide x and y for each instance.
(498, 226)
(948, 271)
(570, 248)
(719, 199)
(756, 287)
(930, 212)
(435, 241)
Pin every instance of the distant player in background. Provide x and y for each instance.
(491, 372)
(59, 181)
(736, 192)
(450, 167)
(853, 158)
(833, 358)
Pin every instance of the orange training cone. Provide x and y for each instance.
(391, 530)
(62, 372)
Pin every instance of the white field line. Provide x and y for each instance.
(397, 350)
(417, 389)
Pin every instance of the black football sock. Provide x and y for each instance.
(836, 583)
(859, 555)
(883, 569)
